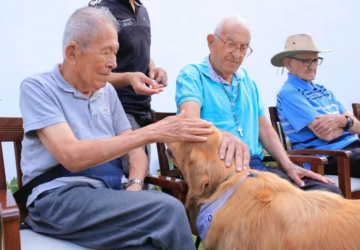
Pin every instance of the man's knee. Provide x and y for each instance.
(333, 188)
(173, 206)
(325, 187)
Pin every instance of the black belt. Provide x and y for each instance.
(23, 193)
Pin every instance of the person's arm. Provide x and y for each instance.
(329, 127)
(137, 80)
(230, 145)
(271, 143)
(158, 74)
(139, 169)
(77, 155)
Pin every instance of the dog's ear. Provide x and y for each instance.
(265, 195)
(199, 185)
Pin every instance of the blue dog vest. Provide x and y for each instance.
(207, 210)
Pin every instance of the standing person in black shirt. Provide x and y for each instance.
(135, 69)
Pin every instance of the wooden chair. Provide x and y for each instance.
(348, 185)
(166, 168)
(11, 130)
(356, 110)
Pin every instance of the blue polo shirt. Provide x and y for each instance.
(298, 103)
(200, 83)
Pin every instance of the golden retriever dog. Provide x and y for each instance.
(265, 212)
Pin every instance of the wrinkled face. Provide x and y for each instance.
(226, 63)
(94, 65)
(297, 68)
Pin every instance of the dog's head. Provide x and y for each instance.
(200, 164)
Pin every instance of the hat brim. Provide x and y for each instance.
(278, 59)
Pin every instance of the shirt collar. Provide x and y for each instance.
(299, 82)
(137, 2)
(62, 84)
(209, 71)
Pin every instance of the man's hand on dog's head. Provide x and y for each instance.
(178, 128)
(231, 147)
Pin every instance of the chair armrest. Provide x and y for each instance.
(10, 217)
(316, 162)
(167, 182)
(308, 159)
(338, 153)
(175, 187)
(301, 159)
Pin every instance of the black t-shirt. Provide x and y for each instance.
(134, 52)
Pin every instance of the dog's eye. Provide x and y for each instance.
(169, 154)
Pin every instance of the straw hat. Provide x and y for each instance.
(296, 44)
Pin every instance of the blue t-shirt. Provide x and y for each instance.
(200, 83)
(298, 103)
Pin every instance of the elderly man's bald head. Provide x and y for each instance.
(231, 21)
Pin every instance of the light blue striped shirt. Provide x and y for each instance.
(298, 103)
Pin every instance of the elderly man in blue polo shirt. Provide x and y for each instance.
(75, 124)
(310, 114)
(218, 90)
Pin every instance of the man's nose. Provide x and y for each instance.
(237, 53)
(112, 62)
(313, 65)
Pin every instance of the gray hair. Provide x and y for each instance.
(235, 17)
(83, 25)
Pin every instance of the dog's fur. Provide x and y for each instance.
(265, 212)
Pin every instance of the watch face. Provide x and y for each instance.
(351, 121)
(349, 124)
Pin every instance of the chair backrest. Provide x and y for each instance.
(356, 110)
(275, 122)
(166, 169)
(11, 130)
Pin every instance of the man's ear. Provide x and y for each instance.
(210, 39)
(71, 50)
(287, 63)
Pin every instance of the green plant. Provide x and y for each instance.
(13, 185)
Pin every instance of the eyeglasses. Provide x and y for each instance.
(308, 62)
(229, 46)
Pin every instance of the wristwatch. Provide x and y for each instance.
(349, 123)
(132, 181)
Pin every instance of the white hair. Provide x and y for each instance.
(235, 17)
(84, 25)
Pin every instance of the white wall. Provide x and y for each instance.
(30, 40)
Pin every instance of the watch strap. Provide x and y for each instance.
(133, 181)
(349, 123)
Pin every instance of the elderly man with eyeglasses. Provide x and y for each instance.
(219, 91)
(310, 115)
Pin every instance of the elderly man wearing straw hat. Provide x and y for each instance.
(310, 115)
(220, 91)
